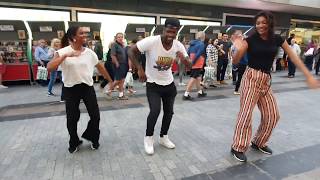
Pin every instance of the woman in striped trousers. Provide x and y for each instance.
(261, 48)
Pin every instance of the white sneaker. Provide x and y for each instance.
(148, 145)
(165, 141)
(3, 87)
(236, 93)
(182, 84)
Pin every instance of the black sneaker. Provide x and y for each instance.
(187, 98)
(75, 148)
(203, 94)
(240, 156)
(265, 149)
(95, 146)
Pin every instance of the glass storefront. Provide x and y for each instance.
(112, 24)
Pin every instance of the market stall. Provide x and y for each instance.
(13, 49)
(133, 31)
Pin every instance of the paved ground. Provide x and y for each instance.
(34, 138)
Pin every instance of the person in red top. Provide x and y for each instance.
(197, 53)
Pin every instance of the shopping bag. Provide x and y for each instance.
(42, 73)
(209, 72)
(129, 79)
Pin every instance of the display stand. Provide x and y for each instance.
(133, 31)
(46, 30)
(13, 49)
(189, 31)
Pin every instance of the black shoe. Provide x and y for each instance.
(95, 146)
(265, 149)
(203, 94)
(240, 156)
(75, 148)
(187, 98)
(212, 85)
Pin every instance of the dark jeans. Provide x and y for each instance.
(308, 62)
(235, 70)
(156, 93)
(72, 96)
(109, 68)
(241, 69)
(317, 66)
(291, 68)
(221, 69)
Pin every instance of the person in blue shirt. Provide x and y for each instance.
(41, 53)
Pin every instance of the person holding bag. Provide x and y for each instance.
(77, 65)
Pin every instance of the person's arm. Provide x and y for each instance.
(311, 81)
(242, 47)
(133, 54)
(104, 72)
(57, 60)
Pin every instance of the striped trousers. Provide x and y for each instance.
(255, 90)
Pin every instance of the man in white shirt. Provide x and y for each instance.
(160, 51)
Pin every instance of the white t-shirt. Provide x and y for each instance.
(159, 60)
(77, 70)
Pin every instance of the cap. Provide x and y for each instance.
(173, 22)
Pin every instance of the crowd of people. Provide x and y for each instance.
(249, 61)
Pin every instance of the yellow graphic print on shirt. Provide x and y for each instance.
(163, 63)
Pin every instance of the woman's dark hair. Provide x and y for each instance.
(68, 37)
(270, 20)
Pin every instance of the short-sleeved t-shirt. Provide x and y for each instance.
(261, 53)
(120, 52)
(159, 60)
(77, 70)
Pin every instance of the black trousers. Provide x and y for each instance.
(221, 69)
(241, 69)
(317, 66)
(72, 96)
(156, 93)
(291, 68)
(309, 62)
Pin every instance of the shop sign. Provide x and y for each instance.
(45, 29)
(193, 30)
(140, 30)
(6, 28)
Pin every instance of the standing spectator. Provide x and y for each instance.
(160, 53)
(197, 55)
(242, 65)
(120, 65)
(309, 54)
(55, 46)
(261, 48)
(182, 67)
(211, 61)
(223, 58)
(291, 67)
(108, 66)
(2, 71)
(77, 65)
(42, 57)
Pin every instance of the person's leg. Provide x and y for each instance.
(219, 69)
(53, 76)
(92, 132)
(189, 87)
(249, 96)
(168, 98)
(181, 72)
(242, 69)
(290, 68)
(154, 100)
(224, 68)
(269, 117)
(72, 98)
(317, 66)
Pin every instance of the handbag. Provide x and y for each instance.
(42, 73)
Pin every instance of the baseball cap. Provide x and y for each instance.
(173, 22)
